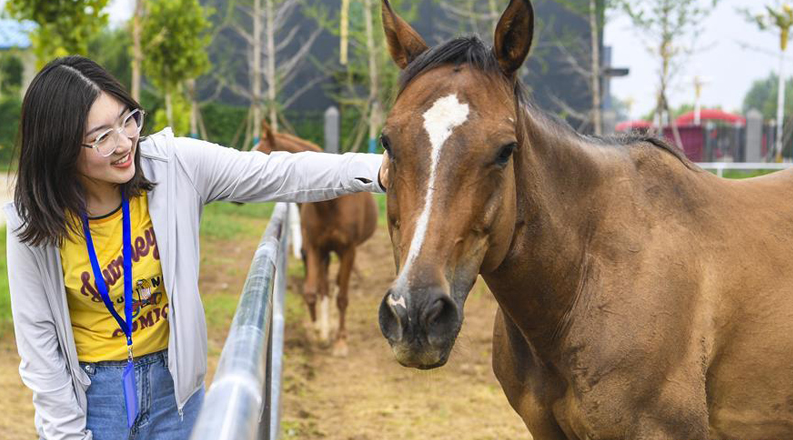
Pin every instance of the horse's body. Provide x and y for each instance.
(645, 299)
(640, 297)
(339, 226)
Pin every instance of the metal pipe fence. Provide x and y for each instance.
(243, 401)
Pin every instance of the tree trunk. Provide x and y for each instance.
(193, 109)
(597, 119)
(272, 87)
(780, 107)
(345, 32)
(256, 78)
(374, 78)
(169, 107)
(137, 51)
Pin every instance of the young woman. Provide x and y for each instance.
(103, 254)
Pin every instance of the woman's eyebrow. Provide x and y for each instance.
(95, 129)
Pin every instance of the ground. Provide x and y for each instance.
(366, 396)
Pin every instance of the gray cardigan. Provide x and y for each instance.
(189, 174)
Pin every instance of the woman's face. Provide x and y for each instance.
(118, 168)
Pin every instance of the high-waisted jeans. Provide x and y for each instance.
(158, 417)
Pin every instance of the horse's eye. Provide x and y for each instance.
(505, 153)
(386, 143)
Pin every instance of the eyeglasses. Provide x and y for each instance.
(106, 143)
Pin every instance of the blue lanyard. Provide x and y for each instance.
(128, 383)
(101, 285)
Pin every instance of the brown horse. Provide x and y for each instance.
(338, 226)
(639, 296)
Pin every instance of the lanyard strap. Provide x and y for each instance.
(101, 285)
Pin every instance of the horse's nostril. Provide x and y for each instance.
(393, 316)
(440, 313)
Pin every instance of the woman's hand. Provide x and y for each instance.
(382, 177)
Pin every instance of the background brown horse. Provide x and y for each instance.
(640, 297)
(339, 226)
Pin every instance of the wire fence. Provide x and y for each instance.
(243, 401)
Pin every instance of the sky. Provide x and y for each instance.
(733, 53)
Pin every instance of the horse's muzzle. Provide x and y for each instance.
(420, 325)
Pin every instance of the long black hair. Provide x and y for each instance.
(52, 129)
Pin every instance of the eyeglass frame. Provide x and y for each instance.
(119, 132)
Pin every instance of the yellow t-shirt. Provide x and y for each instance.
(96, 333)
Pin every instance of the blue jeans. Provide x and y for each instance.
(158, 417)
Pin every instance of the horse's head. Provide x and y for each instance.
(451, 197)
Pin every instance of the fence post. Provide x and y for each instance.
(332, 130)
(754, 136)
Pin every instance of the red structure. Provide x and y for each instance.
(715, 115)
(719, 136)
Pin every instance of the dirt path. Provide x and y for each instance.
(366, 396)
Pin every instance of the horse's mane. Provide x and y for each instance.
(472, 51)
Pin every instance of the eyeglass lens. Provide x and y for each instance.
(107, 142)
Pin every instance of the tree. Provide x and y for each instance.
(670, 28)
(778, 20)
(64, 26)
(365, 85)
(763, 93)
(594, 11)
(137, 50)
(175, 36)
(275, 51)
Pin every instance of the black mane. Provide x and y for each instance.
(472, 51)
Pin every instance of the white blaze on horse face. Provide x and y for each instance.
(440, 120)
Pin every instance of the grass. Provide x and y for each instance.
(227, 221)
(740, 174)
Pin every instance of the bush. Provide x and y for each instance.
(222, 122)
(10, 109)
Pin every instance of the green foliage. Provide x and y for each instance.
(5, 296)
(181, 116)
(763, 96)
(64, 26)
(352, 81)
(223, 122)
(10, 109)
(111, 48)
(10, 73)
(175, 38)
(581, 7)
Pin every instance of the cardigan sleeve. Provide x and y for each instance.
(220, 173)
(42, 368)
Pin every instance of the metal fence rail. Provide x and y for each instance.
(243, 401)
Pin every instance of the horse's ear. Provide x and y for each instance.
(513, 37)
(404, 43)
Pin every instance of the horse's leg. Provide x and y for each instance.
(324, 318)
(347, 258)
(516, 369)
(311, 286)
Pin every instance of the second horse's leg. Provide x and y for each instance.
(347, 258)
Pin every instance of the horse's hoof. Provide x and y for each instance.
(340, 348)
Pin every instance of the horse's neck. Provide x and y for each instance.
(555, 175)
